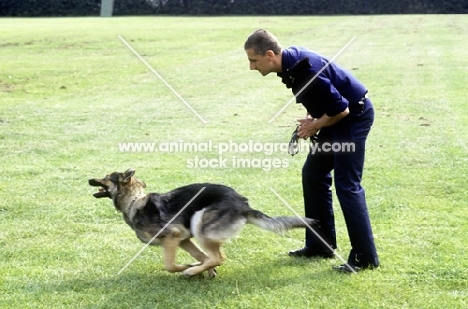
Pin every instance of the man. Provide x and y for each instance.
(340, 113)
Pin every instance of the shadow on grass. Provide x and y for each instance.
(159, 289)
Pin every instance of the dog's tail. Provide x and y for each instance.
(278, 225)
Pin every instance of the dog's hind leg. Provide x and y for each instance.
(193, 250)
(214, 258)
(199, 255)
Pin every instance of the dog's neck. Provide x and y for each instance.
(126, 205)
(135, 198)
(131, 211)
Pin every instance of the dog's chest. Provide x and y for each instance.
(147, 238)
(144, 229)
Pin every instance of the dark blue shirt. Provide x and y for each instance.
(331, 92)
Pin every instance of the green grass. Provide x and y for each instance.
(70, 91)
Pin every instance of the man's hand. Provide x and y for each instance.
(309, 126)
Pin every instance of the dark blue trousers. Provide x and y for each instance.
(342, 149)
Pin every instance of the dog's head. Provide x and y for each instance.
(123, 184)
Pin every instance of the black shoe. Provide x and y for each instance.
(309, 253)
(351, 269)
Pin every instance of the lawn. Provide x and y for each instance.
(71, 93)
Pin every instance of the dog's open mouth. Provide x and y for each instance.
(102, 191)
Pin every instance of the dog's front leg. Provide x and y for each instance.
(170, 244)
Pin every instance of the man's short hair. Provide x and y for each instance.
(261, 41)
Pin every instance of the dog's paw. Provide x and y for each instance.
(190, 272)
(198, 271)
(212, 273)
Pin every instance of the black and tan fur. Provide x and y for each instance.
(217, 214)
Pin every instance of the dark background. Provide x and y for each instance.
(28, 8)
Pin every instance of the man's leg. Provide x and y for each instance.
(316, 186)
(348, 175)
(352, 199)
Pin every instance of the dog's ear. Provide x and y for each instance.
(128, 174)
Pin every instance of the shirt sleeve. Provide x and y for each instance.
(334, 102)
(320, 96)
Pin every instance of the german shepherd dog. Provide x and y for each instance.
(215, 215)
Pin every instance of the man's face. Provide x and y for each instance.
(261, 63)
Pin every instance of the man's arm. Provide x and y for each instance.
(309, 126)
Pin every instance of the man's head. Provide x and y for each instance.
(263, 52)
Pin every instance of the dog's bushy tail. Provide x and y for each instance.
(277, 225)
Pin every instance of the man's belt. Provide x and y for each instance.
(360, 103)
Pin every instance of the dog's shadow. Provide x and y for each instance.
(157, 288)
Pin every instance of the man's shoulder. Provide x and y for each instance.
(299, 52)
(293, 54)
